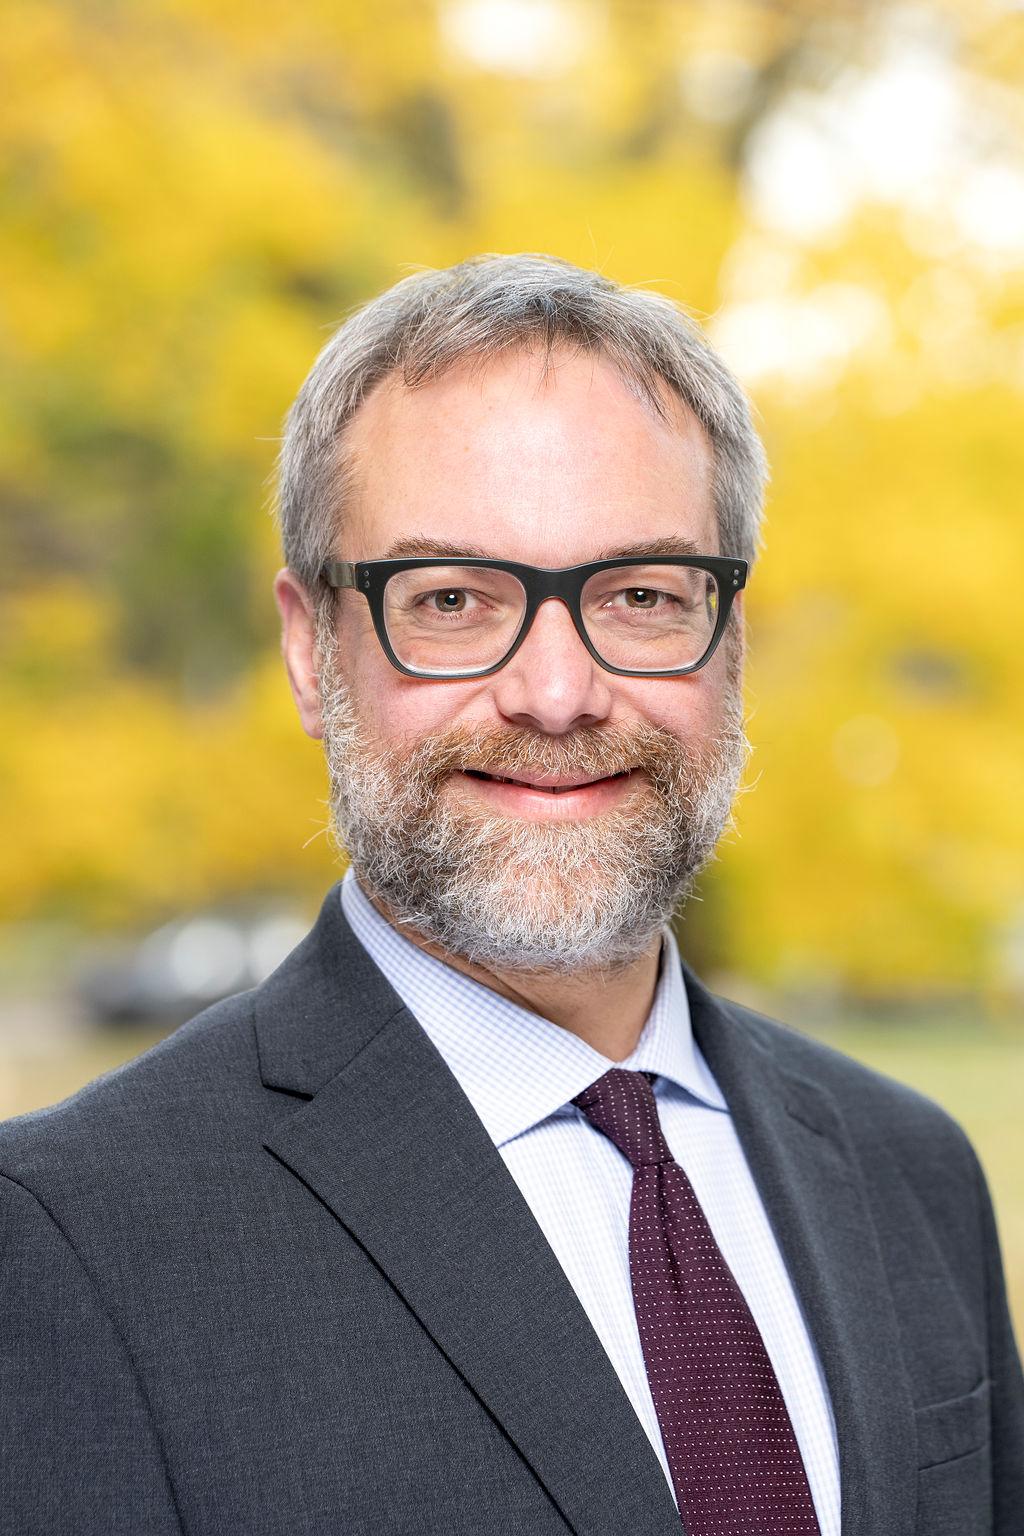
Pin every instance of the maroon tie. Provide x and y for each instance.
(731, 1449)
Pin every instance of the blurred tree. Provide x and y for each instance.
(196, 191)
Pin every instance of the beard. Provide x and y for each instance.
(510, 894)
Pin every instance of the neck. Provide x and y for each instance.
(607, 1009)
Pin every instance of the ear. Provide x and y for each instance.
(298, 647)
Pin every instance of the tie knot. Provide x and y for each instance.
(622, 1106)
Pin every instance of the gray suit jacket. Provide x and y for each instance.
(273, 1279)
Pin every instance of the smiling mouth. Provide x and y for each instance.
(550, 789)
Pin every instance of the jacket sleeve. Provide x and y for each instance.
(78, 1449)
(1007, 1384)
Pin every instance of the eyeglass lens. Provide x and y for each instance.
(452, 620)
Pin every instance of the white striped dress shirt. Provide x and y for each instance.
(520, 1073)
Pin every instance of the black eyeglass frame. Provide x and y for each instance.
(539, 583)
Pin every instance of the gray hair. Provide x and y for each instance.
(433, 320)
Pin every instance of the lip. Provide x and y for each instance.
(548, 797)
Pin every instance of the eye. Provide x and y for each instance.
(454, 600)
(641, 597)
(461, 603)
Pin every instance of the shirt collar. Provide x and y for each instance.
(515, 1067)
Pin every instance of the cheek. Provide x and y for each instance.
(403, 710)
(684, 706)
(406, 712)
(399, 709)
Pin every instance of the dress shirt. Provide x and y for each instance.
(520, 1073)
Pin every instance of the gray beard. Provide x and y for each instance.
(521, 896)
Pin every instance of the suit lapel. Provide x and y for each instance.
(799, 1154)
(392, 1146)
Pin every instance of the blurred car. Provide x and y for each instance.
(185, 965)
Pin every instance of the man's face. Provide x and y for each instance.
(551, 466)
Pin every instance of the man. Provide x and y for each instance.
(481, 1215)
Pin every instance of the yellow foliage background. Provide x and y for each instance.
(197, 190)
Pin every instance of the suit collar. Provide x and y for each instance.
(515, 1067)
(321, 1007)
(799, 1151)
(393, 1148)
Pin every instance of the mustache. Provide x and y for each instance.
(590, 752)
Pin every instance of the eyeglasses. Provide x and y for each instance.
(652, 616)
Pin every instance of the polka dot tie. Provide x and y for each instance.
(731, 1449)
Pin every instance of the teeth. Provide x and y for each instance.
(551, 789)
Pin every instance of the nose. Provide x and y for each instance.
(553, 684)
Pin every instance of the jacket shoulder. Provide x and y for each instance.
(158, 1098)
(876, 1107)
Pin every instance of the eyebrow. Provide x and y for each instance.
(443, 549)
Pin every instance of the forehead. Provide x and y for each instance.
(545, 459)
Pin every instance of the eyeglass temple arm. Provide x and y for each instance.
(340, 573)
